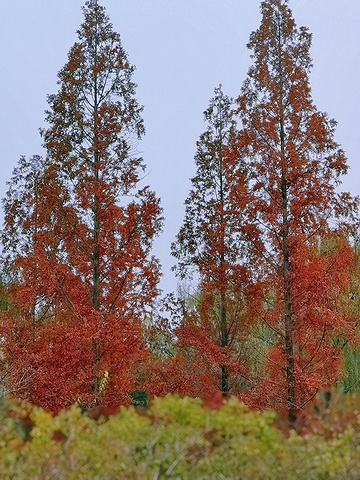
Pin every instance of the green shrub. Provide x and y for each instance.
(176, 438)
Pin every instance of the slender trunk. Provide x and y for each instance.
(96, 256)
(96, 356)
(292, 412)
(289, 344)
(95, 385)
(96, 379)
(95, 374)
(224, 334)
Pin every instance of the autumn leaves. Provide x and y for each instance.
(265, 230)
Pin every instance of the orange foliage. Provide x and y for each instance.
(78, 234)
(296, 226)
(210, 243)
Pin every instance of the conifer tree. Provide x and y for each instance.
(209, 245)
(85, 273)
(297, 225)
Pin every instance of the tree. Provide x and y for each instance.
(297, 225)
(210, 244)
(82, 256)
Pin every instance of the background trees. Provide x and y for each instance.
(87, 234)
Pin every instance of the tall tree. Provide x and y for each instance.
(297, 224)
(209, 244)
(87, 232)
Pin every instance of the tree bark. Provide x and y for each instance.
(289, 344)
(95, 384)
(224, 334)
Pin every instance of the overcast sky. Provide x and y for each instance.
(182, 50)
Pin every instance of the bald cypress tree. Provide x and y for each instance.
(297, 225)
(89, 274)
(209, 244)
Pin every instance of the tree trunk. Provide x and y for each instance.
(224, 342)
(95, 384)
(288, 320)
(289, 345)
(224, 333)
(96, 379)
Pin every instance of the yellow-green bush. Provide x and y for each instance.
(175, 439)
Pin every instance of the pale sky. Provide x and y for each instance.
(182, 50)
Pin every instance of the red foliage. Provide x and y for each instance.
(296, 225)
(78, 234)
(215, 402)
(210, 243)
